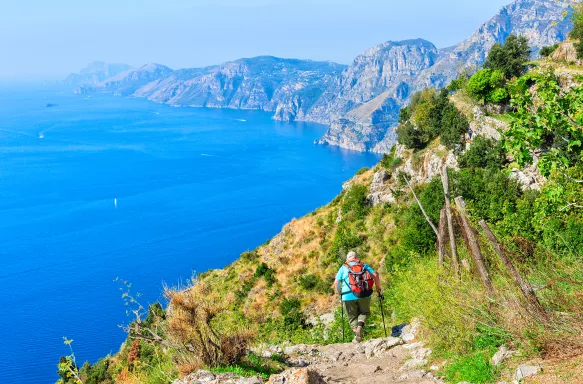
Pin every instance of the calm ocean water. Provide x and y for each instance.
(100, 187)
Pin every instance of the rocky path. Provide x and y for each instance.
(379, 361)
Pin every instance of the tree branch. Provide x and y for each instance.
(421, 206)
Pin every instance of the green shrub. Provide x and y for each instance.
(354, 203)
(293, 317)
(487, 85)
(389, 161)
(492, 194)
(474, 368)
(483, 153)
(97, 373)
(267, 273)
(454, 125)
(361, 171)
(313, 282)
(345, 240)
(548, 50)
(417, 121)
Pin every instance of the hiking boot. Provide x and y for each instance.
(358, 335)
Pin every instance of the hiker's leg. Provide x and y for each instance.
(363, 311)
(352, 312)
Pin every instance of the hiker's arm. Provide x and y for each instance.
(377, 280)
(336, 286)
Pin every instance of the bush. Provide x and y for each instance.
(193, 333)
(267, 273)
(510, 58)
(417, 122)
(97, 373)
(474, 367)
(454, 125)
(293, 317)
(345, 240)
(354, 202)
(313, 282)
(488, 86)
(389, 161)
(483, 153)
(549, 50)
(361, 171)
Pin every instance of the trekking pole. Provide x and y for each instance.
(342, 307)
(382, 313)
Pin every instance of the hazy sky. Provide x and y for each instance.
(55, 37)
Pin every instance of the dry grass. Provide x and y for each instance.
(193, 334)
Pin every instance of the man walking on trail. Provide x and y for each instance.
(354, 282)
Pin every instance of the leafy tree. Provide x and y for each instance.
(483, 153)
(410, 137)
(549, 122)
(510, 58)
(417, 122)
(453, 125)
(577, 31)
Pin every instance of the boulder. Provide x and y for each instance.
(409, 332)
(526, 371)
(297, 376)
(502, 355)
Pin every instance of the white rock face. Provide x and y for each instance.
(430, 163)
(379, 190)
(502, 355)
(486, 126)
(527, 370)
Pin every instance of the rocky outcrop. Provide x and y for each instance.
(95, 73)
(566, 52)
(380, 191)
(128, 83)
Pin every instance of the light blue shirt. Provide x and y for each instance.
(342, 276)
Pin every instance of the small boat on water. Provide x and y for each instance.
(49, 105)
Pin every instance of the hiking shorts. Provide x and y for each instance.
(357, 310)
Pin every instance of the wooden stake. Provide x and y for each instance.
(441, 237)
(454, 255)
(533, 302)
(474, 245)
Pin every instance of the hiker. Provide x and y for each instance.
(356, 290)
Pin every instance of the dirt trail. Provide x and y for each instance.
(379, 361)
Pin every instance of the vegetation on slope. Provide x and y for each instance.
(276, 293)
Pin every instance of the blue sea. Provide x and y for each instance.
(99, 187)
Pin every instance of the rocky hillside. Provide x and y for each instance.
(360, 102)
(95, 73)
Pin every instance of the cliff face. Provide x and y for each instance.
(541, 21)
(360, 102)
(94, 73)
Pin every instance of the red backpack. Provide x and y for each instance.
(360, 280)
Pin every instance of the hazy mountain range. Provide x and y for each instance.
(360, 102)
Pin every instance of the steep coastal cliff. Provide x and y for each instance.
(359, 102)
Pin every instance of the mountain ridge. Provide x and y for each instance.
(360, 102)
